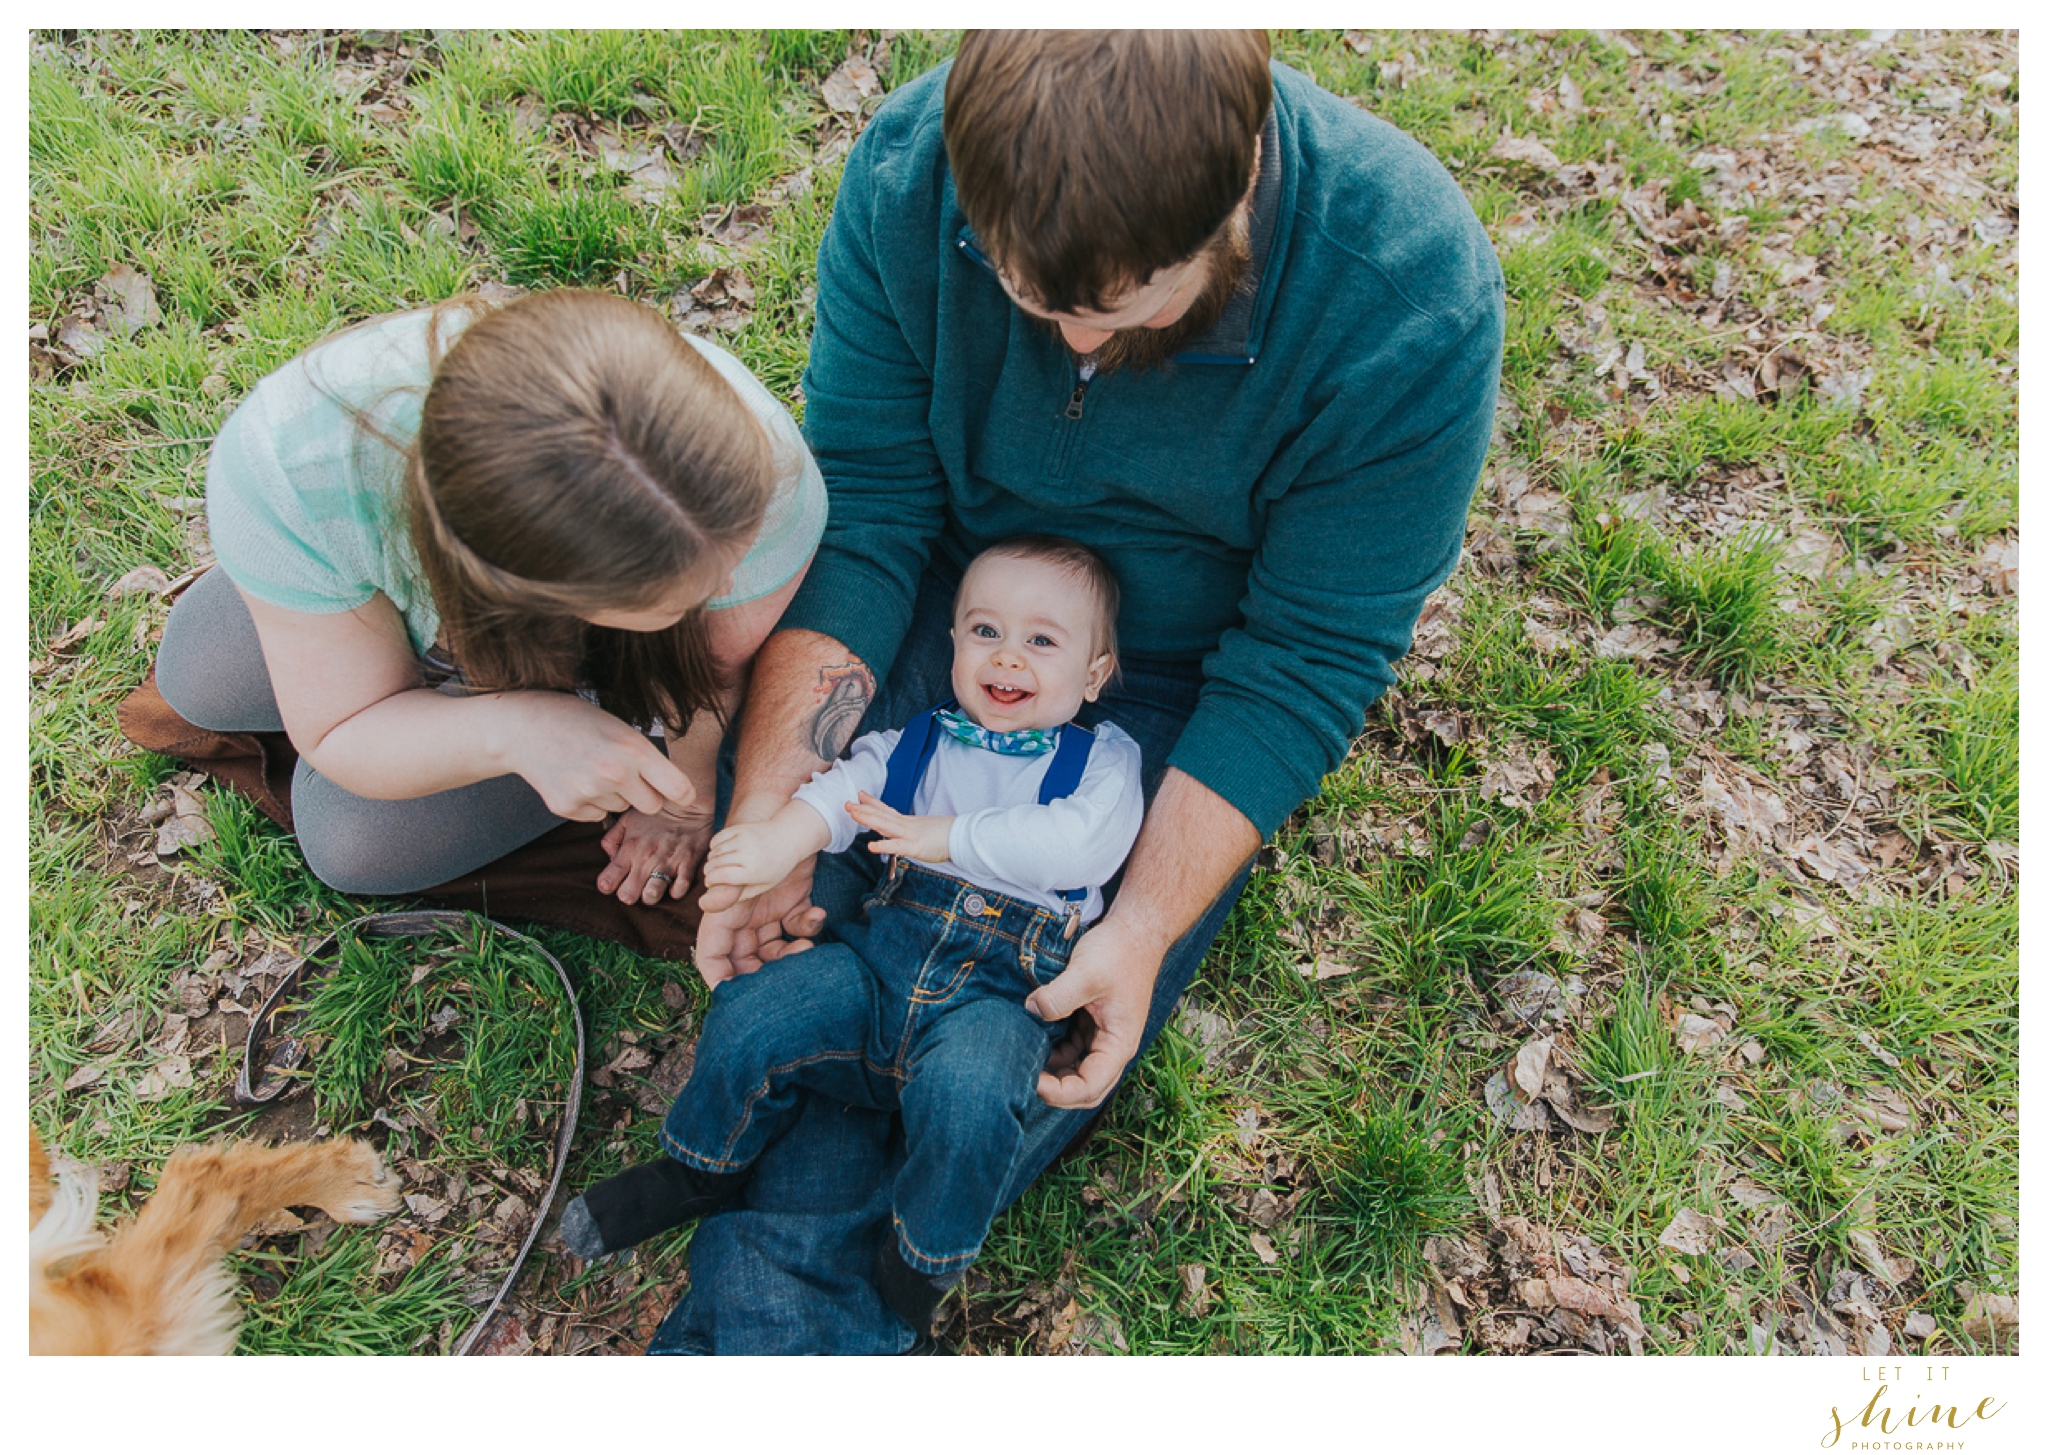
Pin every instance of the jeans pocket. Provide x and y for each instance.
(1041, 964)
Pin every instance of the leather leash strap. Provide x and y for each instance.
(268, 1067)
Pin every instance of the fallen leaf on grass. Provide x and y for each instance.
(185, 826)
(1691, 1233)
(722, 286)
(1206, 1029)
(1530, 1063)
(1510, 1110)
(1531, 997)
(1870, 1044)
(1870, 1253)
(1263, 1246)
(1632, 640)
(1324, 968)
(1526, 151)
(1744, 809)
(1581, 1297)
(427, 1209)
(1562, 1099)
(130, 300)
(1542, 639)
(73, 635)
(79, 339)
(1195, 1294)
(1696, 1033)
(1519, 781)
(87, 1075)
(1096, 1333)
(173, 1073)
(853, 82)
(142, 581)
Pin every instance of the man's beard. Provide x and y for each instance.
(1230, 260)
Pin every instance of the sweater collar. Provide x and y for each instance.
(1229, 340)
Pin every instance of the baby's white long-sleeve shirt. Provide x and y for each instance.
(1002, 838)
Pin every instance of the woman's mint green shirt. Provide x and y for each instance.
(305, 504)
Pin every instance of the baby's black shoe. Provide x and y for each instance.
(911, 1295)
(643, 1201)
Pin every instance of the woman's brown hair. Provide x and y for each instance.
(577, 456)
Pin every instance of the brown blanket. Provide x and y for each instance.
(550, 881)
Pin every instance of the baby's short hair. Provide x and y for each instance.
(1084, 563)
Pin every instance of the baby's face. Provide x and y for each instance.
(1024, 645)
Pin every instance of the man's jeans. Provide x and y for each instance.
(786, 1270)
(920, 1011)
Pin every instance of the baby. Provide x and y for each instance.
(919, 1007)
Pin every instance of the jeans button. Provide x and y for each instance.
(974, 904)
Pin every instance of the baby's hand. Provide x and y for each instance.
(752, 856)
(920, 836)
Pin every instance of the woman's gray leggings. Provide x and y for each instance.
(210, 669)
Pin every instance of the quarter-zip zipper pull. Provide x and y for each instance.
(1080, 394)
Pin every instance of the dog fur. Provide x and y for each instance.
(156, 1286)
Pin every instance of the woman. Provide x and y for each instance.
(474, 562)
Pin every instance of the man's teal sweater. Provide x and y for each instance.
(1277, 502)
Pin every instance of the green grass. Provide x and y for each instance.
(1302, 1140)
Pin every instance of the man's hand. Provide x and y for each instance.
(1110, 977)
(737, 936)
(925, 836)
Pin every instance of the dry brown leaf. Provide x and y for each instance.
(1696, 1033)
(1530, 1064)
(1581, 1297)
(1195, 1293)
(1691, 1233)
(1527, 152)
(1989, 1315)
(130, 300)
(1744, 809)
(1510, 1110)
(143, 580)
(1520, 780)
(427, 1209)
(73, 635)
(185, 826)
(1632, 640)
(1263, 1246)
(853, 82)
(173, 1073)
(87, 1075)
(1543, 639)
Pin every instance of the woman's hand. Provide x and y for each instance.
(644, 847)
(586, 764)
(925, 836)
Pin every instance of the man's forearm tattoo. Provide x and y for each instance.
(847, 689)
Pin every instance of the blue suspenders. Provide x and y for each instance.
(913, 754)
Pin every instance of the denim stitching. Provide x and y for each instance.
(946, 1264)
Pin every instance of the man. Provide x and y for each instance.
(1149, 291)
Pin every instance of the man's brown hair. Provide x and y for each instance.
(577, 456)
(1087, 160)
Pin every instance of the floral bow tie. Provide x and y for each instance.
(1023, 743)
